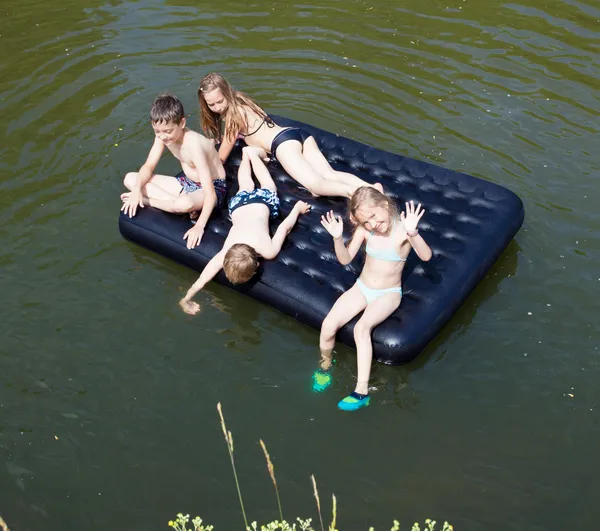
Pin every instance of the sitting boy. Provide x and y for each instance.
(201, 188)
(249, 236)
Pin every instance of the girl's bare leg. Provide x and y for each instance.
(345, 308)
(326, 359)
(321, 165)
(351, 303)
(375, 313)
(290, 156)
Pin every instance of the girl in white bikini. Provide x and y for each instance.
(295, 149)
(389, 237)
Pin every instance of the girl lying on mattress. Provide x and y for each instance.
(389, 237)
(294, 148)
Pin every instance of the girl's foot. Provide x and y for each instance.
(321, 380)
(354, 401)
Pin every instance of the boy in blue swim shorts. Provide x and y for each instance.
(249, 237)
(202, 186)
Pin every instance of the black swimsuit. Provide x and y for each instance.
(291, 133)
(266, 120)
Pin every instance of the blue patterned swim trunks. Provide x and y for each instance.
(259, 195)
(188, 186)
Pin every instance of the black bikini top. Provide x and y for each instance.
(266, 120)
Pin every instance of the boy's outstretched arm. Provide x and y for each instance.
(284, 229)
(134, 200)
(209, 272)
(194, 235)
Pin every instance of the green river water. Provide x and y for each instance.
(108, 391)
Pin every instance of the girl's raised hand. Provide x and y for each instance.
(410, 220)
(333, 225)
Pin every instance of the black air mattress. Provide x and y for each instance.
(468, 223)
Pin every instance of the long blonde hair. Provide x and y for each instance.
(234, 117)
(367, 196)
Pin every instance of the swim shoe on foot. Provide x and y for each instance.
(353, 402)
(321, 380)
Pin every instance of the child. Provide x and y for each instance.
(203, 186)
(389, 238)
(249, 236)
(295, 149)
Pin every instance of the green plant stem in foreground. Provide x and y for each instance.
(271, 470)
(229, 441)
(180, 523)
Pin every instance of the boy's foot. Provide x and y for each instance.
(353, 402)
(379, 187)
(194, 215)
(321, 380)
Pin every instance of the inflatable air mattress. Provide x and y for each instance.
(468, 223)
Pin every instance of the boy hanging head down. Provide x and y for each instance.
(249, 236)
(201, 188)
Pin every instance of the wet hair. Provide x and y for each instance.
(234, 117)
(240, 263)
(367, 196)
(167, 108)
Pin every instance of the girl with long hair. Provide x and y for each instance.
(227, 114)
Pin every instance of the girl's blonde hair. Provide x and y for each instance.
(234, 117)
(367, 196)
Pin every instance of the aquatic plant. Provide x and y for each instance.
(180, 523)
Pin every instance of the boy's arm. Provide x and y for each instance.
(146, 171)
(208, 273)
(194, 235)
(284, 229)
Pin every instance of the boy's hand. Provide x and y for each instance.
(302, 207)
(412, 217)
(193, 236)
(333, 225)
(189, 307)
(131, 200)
